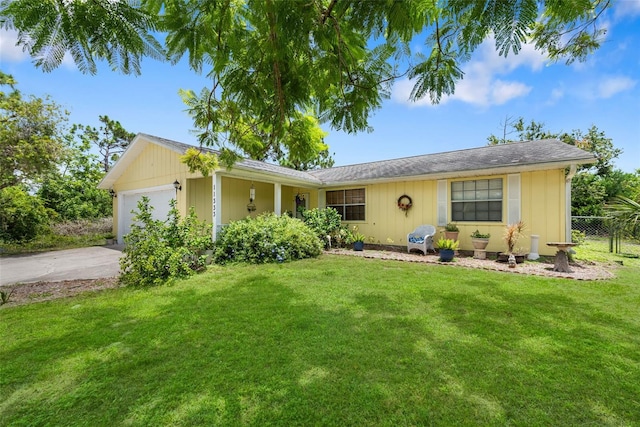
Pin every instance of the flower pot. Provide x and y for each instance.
(480, 243)
(358, 246)
(453, 235)
(446, 255)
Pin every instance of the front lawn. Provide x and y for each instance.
(330, 341)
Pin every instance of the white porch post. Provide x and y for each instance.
(216, 204)
(277, 199)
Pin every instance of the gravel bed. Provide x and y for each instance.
(580, 271)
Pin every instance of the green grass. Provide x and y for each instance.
(597, 249)
(330, 341)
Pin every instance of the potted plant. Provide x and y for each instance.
(358, 241)
(447, 249)
(110, 239)
(356, 238)
(480, 240)
(512, 233)
(451, 231)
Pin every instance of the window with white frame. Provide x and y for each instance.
(477, 200)
(350, 203)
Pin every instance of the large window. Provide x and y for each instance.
(479, 200)
(349, 203)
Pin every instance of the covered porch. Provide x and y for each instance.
(222, 198)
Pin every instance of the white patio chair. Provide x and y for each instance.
(421, 238)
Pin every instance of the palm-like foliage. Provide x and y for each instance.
(626, 213)
(116, 31)
(273, 60)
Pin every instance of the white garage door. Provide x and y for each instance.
(158, 198)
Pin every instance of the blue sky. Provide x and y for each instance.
(603, 91)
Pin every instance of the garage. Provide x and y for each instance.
(159, 198)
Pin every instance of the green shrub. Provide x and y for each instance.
(327, 225)
(267, 238)
(74, 198)
(22, 216)
(578, 236)
(156, 251)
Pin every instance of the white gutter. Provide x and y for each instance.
(567, 203)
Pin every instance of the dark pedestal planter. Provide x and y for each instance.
(446, 255)
(358, 246)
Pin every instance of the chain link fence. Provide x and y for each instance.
(592, 226)
(607, 228)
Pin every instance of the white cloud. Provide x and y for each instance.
(627, 8)
(604, 88)
(506, 91)
(556, 95)
(9, 52)
(613, 85)
(480, 85)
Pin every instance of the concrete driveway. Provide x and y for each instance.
(83, 263)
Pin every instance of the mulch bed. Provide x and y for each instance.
(25, 293)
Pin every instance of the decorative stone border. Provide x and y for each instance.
(581, 271)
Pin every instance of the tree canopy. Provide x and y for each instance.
(30, 142)
(277, 59)
(111, 139)
(594, 141)
(595, 184)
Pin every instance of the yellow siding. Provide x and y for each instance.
(289, 198)
(385, 223)
(543, 208)
(542, 201)
(288, 203)
(199, 196)
(154, 166)
(235, 197)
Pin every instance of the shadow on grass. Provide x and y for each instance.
(258, 350)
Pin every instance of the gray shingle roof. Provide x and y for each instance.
(492, 157)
